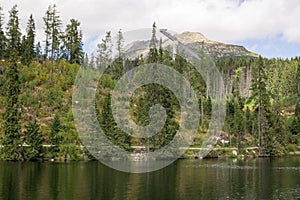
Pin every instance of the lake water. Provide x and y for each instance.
(277, 178)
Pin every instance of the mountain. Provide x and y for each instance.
(196, 41)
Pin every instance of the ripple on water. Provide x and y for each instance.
(224, 166)
(242, 167)
(287, 193)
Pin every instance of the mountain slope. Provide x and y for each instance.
(196, 41)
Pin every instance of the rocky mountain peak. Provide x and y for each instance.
(191, 37)
(194, 40)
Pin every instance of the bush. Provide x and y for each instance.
(291, 148)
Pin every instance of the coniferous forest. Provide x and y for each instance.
(37, 80)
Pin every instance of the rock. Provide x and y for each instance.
(234, 152)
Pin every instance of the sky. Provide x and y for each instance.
(268, 27)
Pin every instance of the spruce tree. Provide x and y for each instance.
(2, 36)
(34, 139)
(262, 101)
(298, 78)
(13, 32)
(47, 28)
(29, 48)
(11, 141)
(74, 42)
(54, 137)
(120, 45)
(53, 32)
(55, 128)
(153, 54)
(38, 50)
(104, 50)
(239, 122)
(117, 66)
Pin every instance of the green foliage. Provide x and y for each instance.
(153, 53)
(2, 36)
(266, 114)
(104, 50)
(28, 45)
(291, 148)
(33, 138)
(55, 128)
(74, 42)
(52, 30)
(13, 32)
(68, 146)
(11, 140)
(109, 126)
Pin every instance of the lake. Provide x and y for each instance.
(264, 178)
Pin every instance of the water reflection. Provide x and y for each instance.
(204, 179)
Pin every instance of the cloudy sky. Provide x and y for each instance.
(268, 27)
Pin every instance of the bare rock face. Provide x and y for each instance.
(196, 41)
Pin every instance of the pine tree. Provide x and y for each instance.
(153, 54)
(161, 53)
(47, 28)
(55, 128)
(118, 64)
(298, 77)
(248, 121)
(2, 36)
(13, 32)
(34, 139)
(54, 137)
(38, 50)
(29, 51)
(53, 33)
(239, 122)
(110, 127)
(74, 42)
(120, 45)
(11, 141)
(104, 51)
(261, 97)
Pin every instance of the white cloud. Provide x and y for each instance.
(222, 20)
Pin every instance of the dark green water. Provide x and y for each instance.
(203, 179)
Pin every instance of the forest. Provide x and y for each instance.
(37, 81)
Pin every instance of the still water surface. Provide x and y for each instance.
(277, 178)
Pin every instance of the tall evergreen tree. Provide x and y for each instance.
(33, 138)
(74, 42)
(120, 44)
(104, 51)
(160, 51)
(47, 29)
(2, 36)
(11, 141)
(38, 50)
(153, 54)
(13, 31)
(54, 137)
(29, 48)
(261, 97)
(53, 32)
(239, 122)
(55, 128)
(118, 65)
(298, 77)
